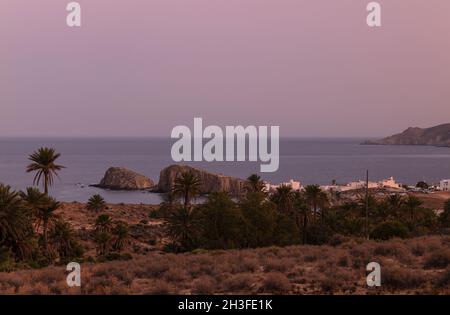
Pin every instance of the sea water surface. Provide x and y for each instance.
(312, 161)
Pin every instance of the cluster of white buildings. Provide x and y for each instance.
(388, 183)
(294, 184)
(360, 184)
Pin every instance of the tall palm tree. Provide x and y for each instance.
(15, 223)
(301, 212)
(120, 233)
(46, 214)
(187, 185)
(316, 198)
(412, 204)
(103, 223)
(255, 184)
(43, 162)
(284, 198)
(96, 203)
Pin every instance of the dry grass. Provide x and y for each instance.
(419, 265)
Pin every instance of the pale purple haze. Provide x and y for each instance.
(140, 67)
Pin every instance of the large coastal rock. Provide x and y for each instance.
(434, 136)
(120, 178)
(210, 182)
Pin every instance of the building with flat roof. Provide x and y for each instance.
(444, 185)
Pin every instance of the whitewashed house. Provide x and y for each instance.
(389, 183)
(444, 185)
(294, 184)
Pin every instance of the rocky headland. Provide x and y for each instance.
(434, 136)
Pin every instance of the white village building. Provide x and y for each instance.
(389, 183)
(444, 185)
(294, 184)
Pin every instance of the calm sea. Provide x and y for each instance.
(312, 161)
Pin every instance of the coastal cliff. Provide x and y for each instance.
(210, 182)
(120, 178)
(434, 136)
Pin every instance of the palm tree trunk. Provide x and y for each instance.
(314, 212)
(46, 184)
(305, 223)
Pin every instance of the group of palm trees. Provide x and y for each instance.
(28, 213)
(316, 217)
(303, 207)
(31, 231)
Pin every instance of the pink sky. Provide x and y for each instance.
(138, 68)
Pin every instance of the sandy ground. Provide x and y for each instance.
(434, 200)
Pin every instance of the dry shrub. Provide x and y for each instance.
(398, 278)
(438, 259)
(343, 261)
(239, 282)
(417, 249)
(443, 280)
(153, 269)
(275, 282)
(393, 249)
(33, 289)
(277, 264)
(204, 285)
(337, 240)
(158, 287)
(243, 264)
(176, 274)
(329, 284)
(432, 243)
(310, 257)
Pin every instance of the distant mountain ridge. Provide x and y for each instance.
(433, 136)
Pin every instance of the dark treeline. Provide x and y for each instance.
(287, 217)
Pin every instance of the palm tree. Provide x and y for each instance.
(255, 184)
(15, 223)
(316, 198)
(46, 214)
(181, 228)
(187, 185)
(412, 204)
(301, 213)
(284, 198)
(34, 200)
(102, 239)
(394, 202)
(96, 203)
(63, 239)
(103, 224)
(120, 233)
(43, 162)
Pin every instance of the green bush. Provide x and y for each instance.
(389, 229)
(318, 234)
